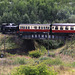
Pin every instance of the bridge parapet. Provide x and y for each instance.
(42, 36)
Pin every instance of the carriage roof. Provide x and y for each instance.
(54, 24)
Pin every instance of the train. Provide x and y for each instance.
(8, 28)
(62, 28)
(54, 28)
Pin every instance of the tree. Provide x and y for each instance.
(33, 17)
(41, 16)
(5, 17)
(16, 18)
(8, 17)
(32, 11)
(71, 19)
(0, 19)
(63, 14)
(25, 19)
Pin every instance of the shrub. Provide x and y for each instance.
(73, 64)
(45, 70)
(43, 50)
(19, 60)
(44, 58)
(35, 53)
(40, 69)
(56, 61)
(51, 54)
(53, 44)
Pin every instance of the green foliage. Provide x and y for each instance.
(34, 11)
(40, 69)
(51, 43)
(9, 42)
(71, 18)
(15, 60)
(55, 61)
(43, 50)
(26, 19)
(51, 54)
(19, 60)
(69, 49)
(44, 58)
(73, 64)
(35, 53)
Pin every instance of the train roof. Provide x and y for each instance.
(55, 24)
(11, 26)
(64, 24)
(34, 24)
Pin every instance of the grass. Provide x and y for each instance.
(7, 64)
(16, 60)
(6, 70)
(69, 48)
(52, 62)
(61, 59)
(9, 42)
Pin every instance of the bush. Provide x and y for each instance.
(19, 60)
(35, 53)
(56, 61)
(73, 64)
(44, 58)
(43, 50)
(53, 44)
(51, 54)
(40, 69)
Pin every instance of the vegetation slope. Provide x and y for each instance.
(60, 60)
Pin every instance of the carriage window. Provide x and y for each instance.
(44, 28)
(48, 27)
(72, 28)
(61, 28)
(66, 28)
(28, 27)
(41, 27)
(52, 27)
(56, 28)
(35, 27)
(22, 27)
(31, 27)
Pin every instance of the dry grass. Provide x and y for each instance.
(6, 64)
(64, 70)
(6, 69)
(67, 60)
(9, 42)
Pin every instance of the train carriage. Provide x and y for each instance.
(56, 28)
(63, 28)
(34, 27)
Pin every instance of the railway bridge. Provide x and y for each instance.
(47, 35)
(40, 31)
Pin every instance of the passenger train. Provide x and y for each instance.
(54, 28)
(61, 28)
